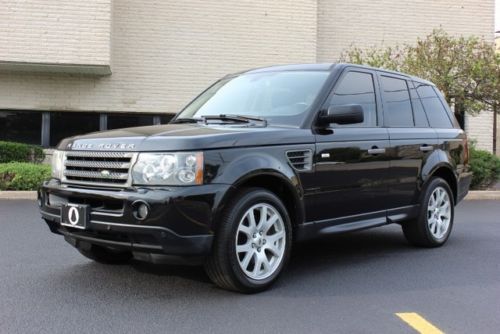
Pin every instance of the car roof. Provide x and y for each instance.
(326, 67)
(292, 67)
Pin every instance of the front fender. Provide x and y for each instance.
(245, 167)
(240, 167)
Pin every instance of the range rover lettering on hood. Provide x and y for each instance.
(185, 137)
(101, 146)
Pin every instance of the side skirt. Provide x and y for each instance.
(311, 230)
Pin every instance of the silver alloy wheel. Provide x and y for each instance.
(439, 213)
(260, 241)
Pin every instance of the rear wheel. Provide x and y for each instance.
(435, 221)
(252, 244)
(104, 255)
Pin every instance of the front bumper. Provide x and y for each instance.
(180, 220)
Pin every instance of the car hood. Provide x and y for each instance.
(173, 137)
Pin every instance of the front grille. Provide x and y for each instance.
(111, 169)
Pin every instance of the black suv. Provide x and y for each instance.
(259, 160)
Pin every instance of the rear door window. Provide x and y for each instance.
(397, 105)
(434, 109)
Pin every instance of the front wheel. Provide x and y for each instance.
(435, 221)
(252, 244)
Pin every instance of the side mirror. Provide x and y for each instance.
(344, 114)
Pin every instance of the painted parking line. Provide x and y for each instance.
(418, 323)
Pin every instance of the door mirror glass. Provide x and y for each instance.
(343, 114)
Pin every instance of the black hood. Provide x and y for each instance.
(181, 137)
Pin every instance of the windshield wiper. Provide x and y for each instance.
(221, 117)
(187, 120)
(234, 118)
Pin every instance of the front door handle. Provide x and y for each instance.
(376, 150)
(426, 148)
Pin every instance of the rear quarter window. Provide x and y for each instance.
(436, 113)
(418, 110)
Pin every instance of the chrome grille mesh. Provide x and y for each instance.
(111, 169)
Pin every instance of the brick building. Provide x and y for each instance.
(69, 66)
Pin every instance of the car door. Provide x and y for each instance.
(412, 141)
(350, 163)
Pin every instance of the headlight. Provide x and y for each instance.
(171, 169)
(58, 164)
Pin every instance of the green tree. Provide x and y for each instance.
(465, 69)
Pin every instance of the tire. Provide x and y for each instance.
(242, 259)
(104, 255)
(434, 223)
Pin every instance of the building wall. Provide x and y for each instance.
(165, 52)
(480, 129)
(342, 24)
(162, 53)
(64, 32)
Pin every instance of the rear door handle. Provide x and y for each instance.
(426, 148)
(376, 150)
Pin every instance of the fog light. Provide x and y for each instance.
(141, 210)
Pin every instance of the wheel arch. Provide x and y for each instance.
(287, 189)
(445, 171)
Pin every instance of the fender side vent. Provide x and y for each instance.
(300, 160)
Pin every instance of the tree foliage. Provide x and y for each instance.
(485, 168)
(23, 175)
(465, 69)
(10, 151)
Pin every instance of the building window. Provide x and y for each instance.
(118, 121)
(164, 119)
(29, 126)
(21, 126)
(67, 124)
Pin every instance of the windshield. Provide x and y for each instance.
(278, 97)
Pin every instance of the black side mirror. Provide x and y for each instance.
(344, 114)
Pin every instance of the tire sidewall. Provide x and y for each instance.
(243, 203)
(432, 185)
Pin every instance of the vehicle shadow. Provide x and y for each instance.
(348, 250)
(189, 272)
(367, 262)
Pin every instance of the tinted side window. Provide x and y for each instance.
(418, 110)
(357, 88)
(434, 109)
(397, 105)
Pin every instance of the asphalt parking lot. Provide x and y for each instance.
(354, 283)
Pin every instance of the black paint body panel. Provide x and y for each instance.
(347, 188)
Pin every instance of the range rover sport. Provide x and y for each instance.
(259, 160)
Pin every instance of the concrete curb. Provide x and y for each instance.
(483, 194)
(473, 195)
(18, 195)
